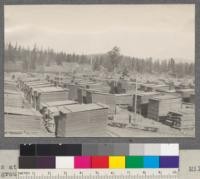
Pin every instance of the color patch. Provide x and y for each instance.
(151, 162)
(169, 162)
(105, 149)
(45, 162)
(120, 149)
(27, 150)
(152, 149)
(100, 161)
(89, 149)
(65, 162)
(59, 150)
(169, 150)
(82, 162)
(134, 162)
(136, 149)
(27, 162)
(116, 162)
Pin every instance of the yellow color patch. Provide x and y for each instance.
(116, 161)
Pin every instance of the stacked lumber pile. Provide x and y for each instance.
(82, 120)
(160, 105)
(32, 87)
(21, 120)
(183, 119)
(22, 82)
(49, 112)
(49, 94)
(103, 98)
(123, 99)
(13, 99)
(10, 85)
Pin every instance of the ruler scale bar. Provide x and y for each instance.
(97, 174)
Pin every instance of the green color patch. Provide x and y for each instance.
(134, 162)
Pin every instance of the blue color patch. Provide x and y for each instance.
(151, 162)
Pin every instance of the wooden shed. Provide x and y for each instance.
(160, 105)
(82, 120)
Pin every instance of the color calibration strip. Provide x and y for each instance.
(105, 156)
(106, 162)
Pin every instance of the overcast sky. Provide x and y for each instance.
(159, 31)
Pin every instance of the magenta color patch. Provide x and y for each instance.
(82, 162)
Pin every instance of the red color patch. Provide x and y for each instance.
(100, 162)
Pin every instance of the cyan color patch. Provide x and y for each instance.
(151, 162)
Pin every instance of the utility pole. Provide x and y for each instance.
(135, 107)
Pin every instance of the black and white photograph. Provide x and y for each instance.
(99, 70)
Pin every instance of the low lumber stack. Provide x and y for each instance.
(183, 119)
(22, 120)
(10, 85)
(13, 99)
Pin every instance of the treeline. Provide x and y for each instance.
(111, 61)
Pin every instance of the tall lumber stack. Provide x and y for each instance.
(49, 94)
(33, 86)
(50, 112)
(187, 95)
(160, 105)
(82, 120)
(142, 100)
